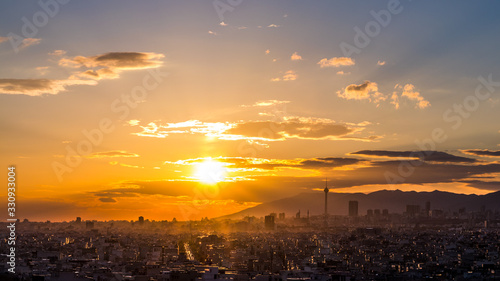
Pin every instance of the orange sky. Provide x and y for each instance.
(113, 116)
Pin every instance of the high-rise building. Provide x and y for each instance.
(89, 224)
(369, 213)
(281, 216)
(326, 197)
(412, 210)
(141, 219)
(428, 208)
(353, 208)
(269, 222)
(78, 219)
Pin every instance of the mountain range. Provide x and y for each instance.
(393, 200)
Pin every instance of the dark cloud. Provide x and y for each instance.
(483, 152)
(486, 185)
(107, 200)
(413, 172)
(116, 60)
(330, 162)
(37, 87)
(436, 156)
(290, 129)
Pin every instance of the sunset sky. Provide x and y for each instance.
(187, 109)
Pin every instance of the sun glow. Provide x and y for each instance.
(210, 171)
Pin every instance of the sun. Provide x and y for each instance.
(210, 171)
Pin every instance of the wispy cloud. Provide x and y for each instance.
(116, 61)
(112, 154)
(381, 62)
(290, 128)
(290, 75)
(265, 103)
(57, 53)
(38, 87)
(105, 66)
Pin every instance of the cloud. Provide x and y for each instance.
(108, 66)
(336, 62)
(482, 152)
(266, 103)
(380, 62)
(107, 200)
(267, 52)
(290, 127)
(25, 43)
(365, 91)
(99, 74)
(485, 185)
(435, 156)
(42, 69)
(341, 72)
(273, 25)
(57, 53)
(409, 92)
(272, 164)
(290, 75)
(38, 87)
(296, 56)
(116, 61)
(292, 176)
(30, 42)
(112, 154)
(222, 23)
(212, 32)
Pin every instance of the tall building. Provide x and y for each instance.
(326, 197)
(269, 222)
(412, 210)
(353, 208)
(141, 219)
(428, 208)
(78, 219)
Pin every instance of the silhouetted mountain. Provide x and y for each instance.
(393, 200)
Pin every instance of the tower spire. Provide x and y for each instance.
(326, 190)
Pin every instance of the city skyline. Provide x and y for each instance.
(210, 108)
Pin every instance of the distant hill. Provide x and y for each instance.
(393, 200)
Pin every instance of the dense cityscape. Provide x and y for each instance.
(420, 244)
